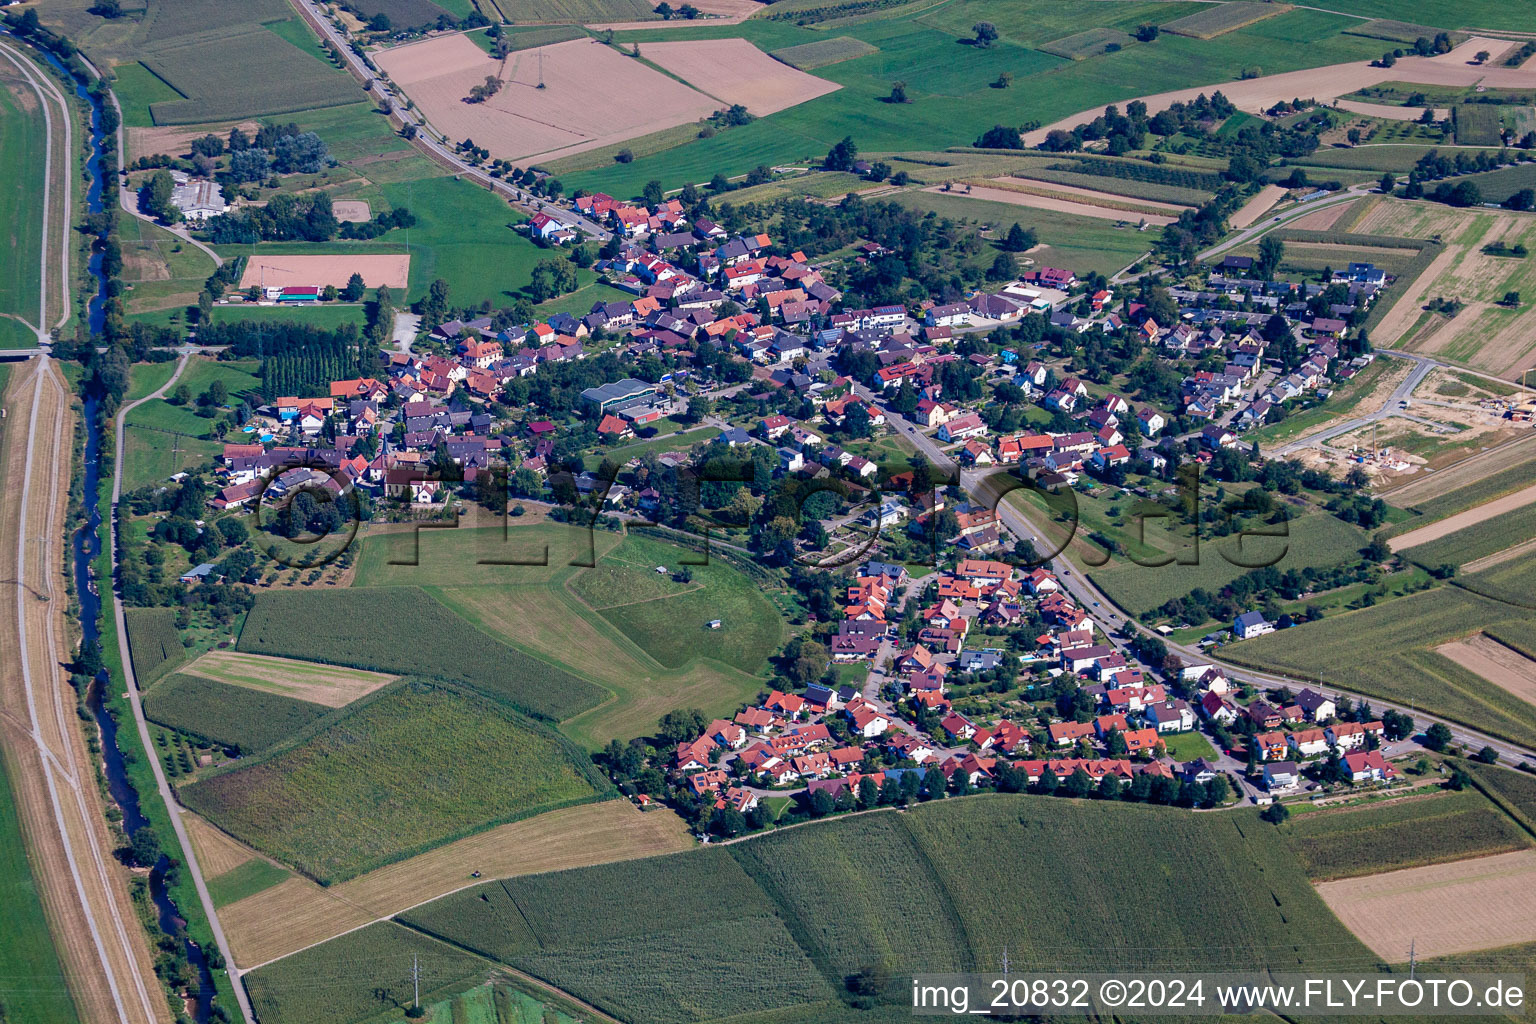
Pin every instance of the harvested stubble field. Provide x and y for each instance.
(408, 769)
(1402, 833)
(1403, 667)
(238, 717)
(585, 102)
(328, 685)
(1482, 903)
(1464, 520)
(1501, 665)
(216, 852)
(299, 913)
(809, 56)
(968, 869)
(362, 628)
(1035, 201)
(1088, 43)
(735, 71)
(1095, 196)
(377, 269)
(1219, 19)
(275, 77)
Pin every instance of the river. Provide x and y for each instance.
(86, 542)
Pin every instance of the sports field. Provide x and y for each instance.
(1483, 903)
(406, 770)
(392, 271)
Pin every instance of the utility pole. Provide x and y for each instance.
(1412, 960)
(416, 981)
(1005, 961)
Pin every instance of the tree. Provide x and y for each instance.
(1438, 736)
(180, 395)
(869, 793)
(652, 193)
(1487, 756)
(145, 847)
(822, 804)
(1387, 183)
(1271, 252)
(1388, 59)
(379, 22)
(1020, 239)
(898, 93)
(841, 156)
(1003, 80)
(1147, 33)
(986, 33)
(680, 727)
(1079, 784)
(934, 784)
(355, 289)
(1482, 56)
(1275, 813)
(1001, 137)
(155, 197)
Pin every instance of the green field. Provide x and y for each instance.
(1477, 124)
(809, 56)
(530, 12)
(1514, 791)
(32, 986)
(1088, 43)
(539, 609)
(163, 274)
(363, 628)
(255, 875)
(1366, 840)
(23, 147)
(153, 643)
(1512, 582)
(945, 884)
(1446, 14)
(1494, 485)
(274, 76)
(402, 14)
(951, 83)
(1387, 651)
(162, 439)
(231, 716)
(407, 769)
(527, 38)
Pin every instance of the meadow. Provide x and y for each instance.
(404, 631)
(153, 642)
(409, 768)
(1087, 43)
(236, 717)
(23, 142)
(1219, 19)
(809, 56)
(162, 273)
(947, 883)
(33, 987)
(1350, 841)
(1387, 651)
(254, 876)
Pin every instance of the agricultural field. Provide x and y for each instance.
(326, 685)
(1485, 335)
(968, 869)
(33, 987)
(402, 14)
(235, 717)
(1477, 124)
(1219, 19)
(809, 56)
(254, 876)
(23, 145)
(1088, 43)
(735, 71)
(275, 76)
(1481, 903)
(1403, 833)
(1515, 791)
(153, 643)
(1496, 662)
(1510, 520)
(500, 1003)
(1402, 665)
(361, 628)
(579, 12)
(1508, 577)
(527, 38)
(407, 769)
(1469, 484)
(951, 83)
(1392, 31)
(285, 992)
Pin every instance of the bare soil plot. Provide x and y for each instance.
(216, 851)
(354, 211)
(330, 685)
(1387, 111)
(1502, 666)
(1036, 202)
(1462, 520)
(735, 71)
(1322, 220)
(593, 95)
(376, 268)
(1470, 471)
(1482, 903)
(298, 913)
(1256, 207)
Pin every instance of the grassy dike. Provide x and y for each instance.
(141, 774)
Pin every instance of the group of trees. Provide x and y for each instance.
(286, 217)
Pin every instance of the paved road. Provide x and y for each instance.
(1393, 407)
(427, 138)
(1120, 628)
(1253, 231)
(188, 854)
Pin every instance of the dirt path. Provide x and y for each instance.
(84, 892)
(1462, 520)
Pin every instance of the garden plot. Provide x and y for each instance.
(735, 71)
(592, 95)
(1481, 903)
